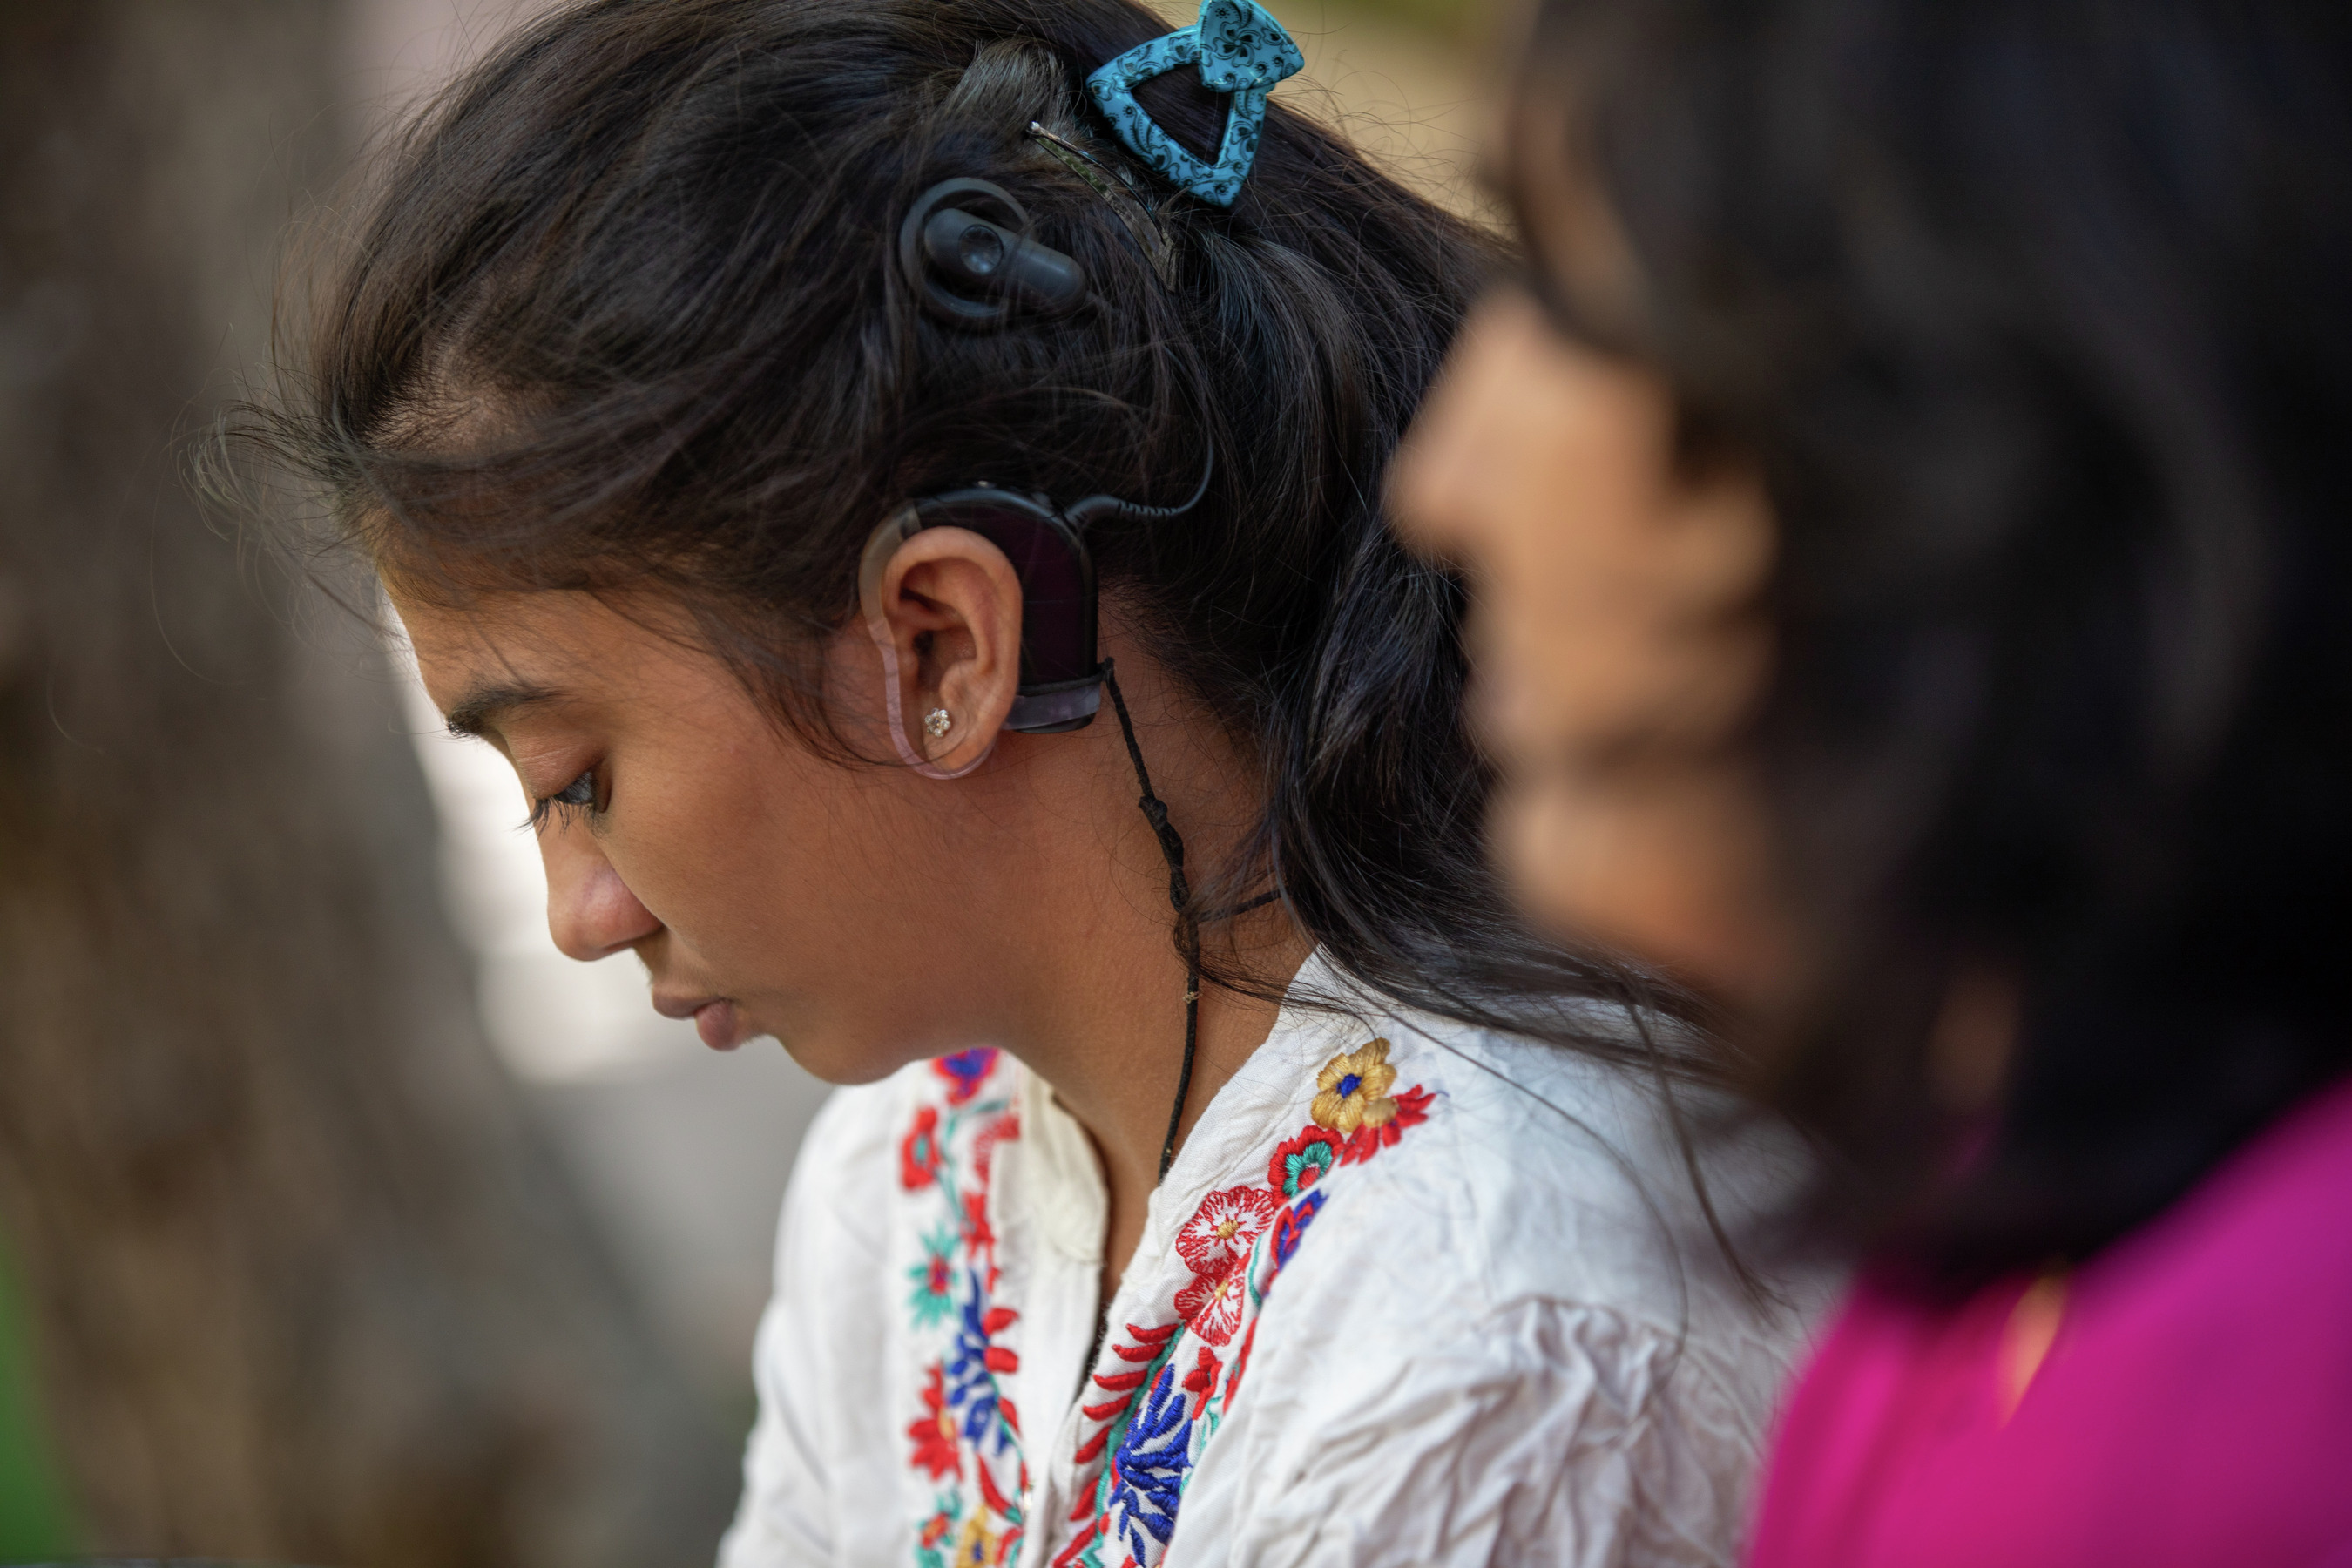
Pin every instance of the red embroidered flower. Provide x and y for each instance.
(1223, 1228)
(1297, 1163)
(1411, 1110)
(1212, 1308)
(1204, 1375)
(918, 1151)
(978, 1235)
(934, 1432)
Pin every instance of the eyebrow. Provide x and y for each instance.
(478, 711)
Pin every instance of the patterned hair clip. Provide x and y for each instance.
(1241, 51)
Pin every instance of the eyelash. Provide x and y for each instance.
(577, 798)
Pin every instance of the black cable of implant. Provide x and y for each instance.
(1180, 893)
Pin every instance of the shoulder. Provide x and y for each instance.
(1506, 1301)
(1494, 1179)
(1537, 1173)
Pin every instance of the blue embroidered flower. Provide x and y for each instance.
(1149, 1470)
(1291, 1225)
(965, 1072)
(971, 1385)
(932, 1300)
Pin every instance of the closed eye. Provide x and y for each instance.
(576, 798)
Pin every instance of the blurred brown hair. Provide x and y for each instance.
(2033, 314)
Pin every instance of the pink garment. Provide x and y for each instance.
(2194, 1407)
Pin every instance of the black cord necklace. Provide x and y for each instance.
(1180, 893)
(1188, 920)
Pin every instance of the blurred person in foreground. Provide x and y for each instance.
(1909, 506)
(732, 396)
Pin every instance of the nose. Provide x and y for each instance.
(1446, 469)
(591, 912)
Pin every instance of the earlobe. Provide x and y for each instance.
(944, 611)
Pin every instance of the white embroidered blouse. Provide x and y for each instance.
(1410, 1294)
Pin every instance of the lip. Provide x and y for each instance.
(717, 1020)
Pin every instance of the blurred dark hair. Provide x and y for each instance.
(625, 315)
(2036, 316)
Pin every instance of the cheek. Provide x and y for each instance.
(784, 881)
(1566, 609)
(1612, 609)
(760, 858)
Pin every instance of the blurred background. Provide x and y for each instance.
(341, 1219)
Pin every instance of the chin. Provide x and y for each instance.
(1531, 830)
(842, 1062)
(1546, 843)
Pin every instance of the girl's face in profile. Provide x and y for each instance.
(1619, 645)
(767, 889)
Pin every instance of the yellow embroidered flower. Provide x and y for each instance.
(978, 1546)
(1354, 1090)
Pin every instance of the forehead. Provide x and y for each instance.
(487, 629)
(554, 643)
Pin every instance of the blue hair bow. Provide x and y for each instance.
(1241, 50)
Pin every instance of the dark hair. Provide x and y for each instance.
(2035, 317)
(625, 314)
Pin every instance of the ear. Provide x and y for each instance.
(948, 601)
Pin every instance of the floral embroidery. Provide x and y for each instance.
(945, 1513)
(966, 1435)
(1411, 1110)
(1147, 1415)
(1148, 1471)
(1291, 1225)
(1224, 1228)
(1211, 1308)
(918, 1151)
(934, 1432)
(978, 1233)
(1353, 1087)
(1215, 1243)
(970, 1368)
(1204, 1375)
(931, 1300)
(1299, 1161)
(965, 1072)
(979, 1546)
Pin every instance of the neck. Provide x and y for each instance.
(1103, 1022)
(1119, 1079)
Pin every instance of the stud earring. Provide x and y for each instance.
(937, 723)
